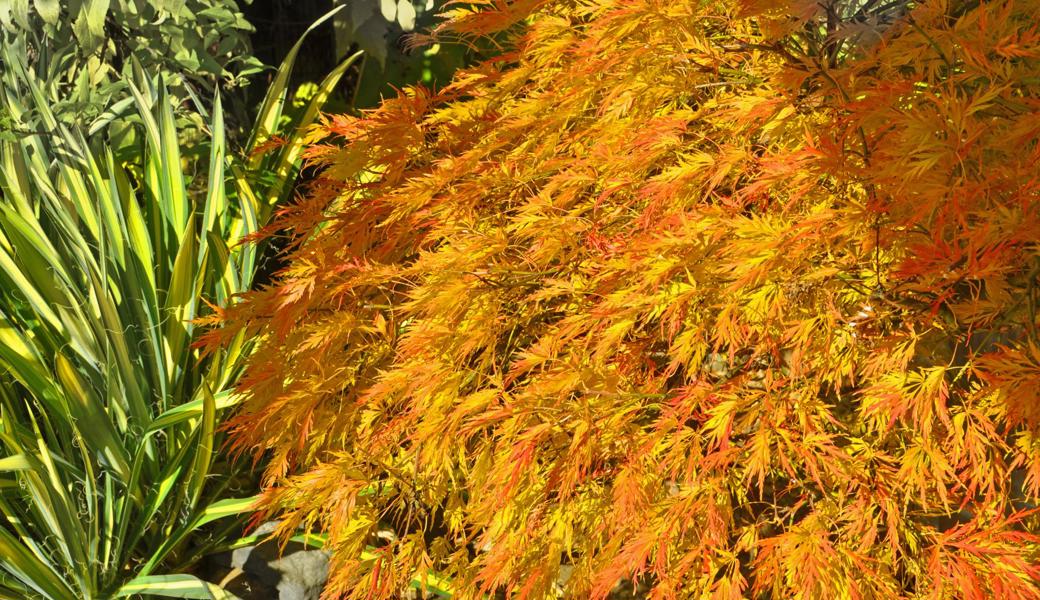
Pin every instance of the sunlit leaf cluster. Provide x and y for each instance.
(735, 300)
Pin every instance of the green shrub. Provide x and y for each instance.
(382, 29)
(84, 51)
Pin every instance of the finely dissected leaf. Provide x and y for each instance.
(728, 300)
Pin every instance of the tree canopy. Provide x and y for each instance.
(735, 299)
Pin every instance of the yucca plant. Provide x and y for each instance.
(109, 416)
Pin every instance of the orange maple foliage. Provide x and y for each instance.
(738, 300)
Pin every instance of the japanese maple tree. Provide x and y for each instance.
(735, 299)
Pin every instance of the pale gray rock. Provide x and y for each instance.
(260, 572)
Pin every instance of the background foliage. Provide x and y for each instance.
(84, 51)
(381, 28)
(734, 299)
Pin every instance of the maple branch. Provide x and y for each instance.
(1031, 293)
(862, 14)
(775, 48)
(830, 46)
(931, 42)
